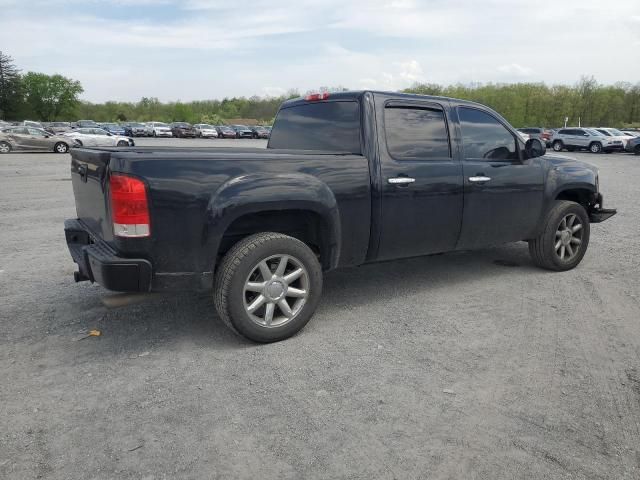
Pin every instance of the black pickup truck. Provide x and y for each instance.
(347, 179)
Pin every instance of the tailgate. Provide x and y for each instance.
(89, 178)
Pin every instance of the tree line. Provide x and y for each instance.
(587, 103)
(38, 96)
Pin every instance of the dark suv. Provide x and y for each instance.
(182, 130)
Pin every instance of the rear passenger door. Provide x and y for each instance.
(502, 191)
(421, 204)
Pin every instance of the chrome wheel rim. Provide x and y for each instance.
(4, 148)
(557, 146)
(276, 290)
(62, 148)
(595, 148)
(569, 237)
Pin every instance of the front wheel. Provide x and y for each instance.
(595, 147)
(564, 238)
(122, 143)
(268, 286)
(5, 147)
(61, 147)
(557, 146)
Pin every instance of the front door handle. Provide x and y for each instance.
(401, 180)
(479, 179)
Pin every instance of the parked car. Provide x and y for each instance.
(613, 133)
(259, 227)
(204, 130)
(574, 138)
(242, 131)
(183, 130)
(86, 124)
(113, 128)
(225, 131)
(631, 133)
(97, 137)
(134, 129)
(158, 129)
(30, 138)
(4, 124)
(259, 132)
(633, 145)
(31, 123)
(58, 127)
(542, 134)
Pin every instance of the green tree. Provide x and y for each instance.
(51, 97)
(9, 87)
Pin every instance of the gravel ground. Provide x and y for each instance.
(466, 365)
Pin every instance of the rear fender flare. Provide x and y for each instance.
(254, 193)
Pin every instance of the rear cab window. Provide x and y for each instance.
(332, 126)
(416, 133)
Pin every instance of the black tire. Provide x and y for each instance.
(557, 146)
(122, 143)
(155, 134)
(61, 147)
(5, 147)
(235, 269)
(595, 147)
(542, 249)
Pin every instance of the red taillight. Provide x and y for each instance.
(129, 206)
(314, 97)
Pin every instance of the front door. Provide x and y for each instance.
(503, 193)
(38, 139)
(421, 190)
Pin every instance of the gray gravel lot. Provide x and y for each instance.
(462, 366)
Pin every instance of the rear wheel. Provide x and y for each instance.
(122, 143)
(61, 147)
(5, 147)
(564, 238)
(557, 146)
(595, 147)
(268, 287)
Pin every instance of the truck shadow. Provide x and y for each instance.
(162, 320)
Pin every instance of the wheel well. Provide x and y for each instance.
(579, 195)
(305, 225)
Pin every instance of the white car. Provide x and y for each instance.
(614, 133)
(97, 137)
(205, 130)
(631, 133)
(158, 129)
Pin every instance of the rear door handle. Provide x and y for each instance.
(401, 180)
(479, 179)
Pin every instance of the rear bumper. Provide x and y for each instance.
(599, 213)
(98, 262)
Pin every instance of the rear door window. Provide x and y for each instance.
(416, 133)
(326, 126)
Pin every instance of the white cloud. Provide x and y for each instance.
(515, 70)
(217, 49)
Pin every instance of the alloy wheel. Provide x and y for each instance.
(276, 290)
(568, 237)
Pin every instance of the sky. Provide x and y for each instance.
(122, 50)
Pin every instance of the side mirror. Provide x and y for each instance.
(533, 148)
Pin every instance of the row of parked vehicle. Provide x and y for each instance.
(593, 139)
(155, 129)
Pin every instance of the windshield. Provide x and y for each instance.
(160, 124)
(616, 132)
(206, 127)
(136, 125)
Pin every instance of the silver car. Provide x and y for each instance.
(574, 138)
(97, 137)
(204, 130)
(30, 138)
(158, 129)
